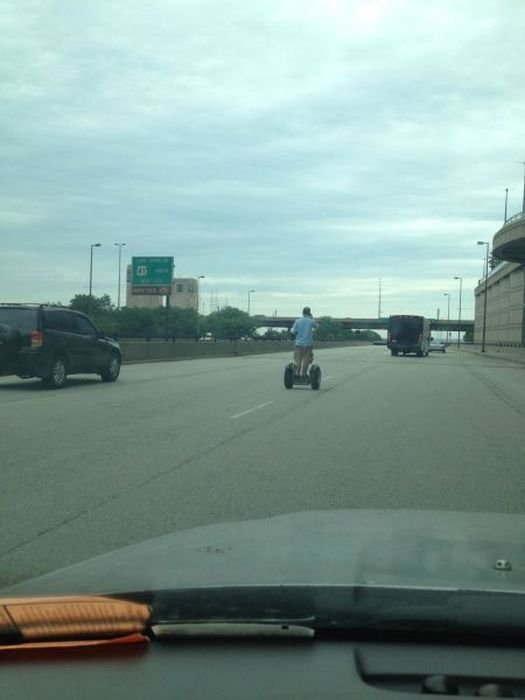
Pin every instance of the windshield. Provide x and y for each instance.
(244, 223)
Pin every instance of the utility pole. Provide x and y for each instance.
(484, 333)
(523, 202)
(90, 298)
(120, 246)
(446, 294)
(459, 313)
(249, 299)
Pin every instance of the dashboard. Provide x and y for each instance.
(256, 669)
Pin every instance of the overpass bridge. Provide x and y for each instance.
(363, 324)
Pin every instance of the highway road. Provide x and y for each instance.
(97, 466)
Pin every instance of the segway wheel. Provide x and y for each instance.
(288, 376)
(315, 377)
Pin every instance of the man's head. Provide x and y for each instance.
(307, 311)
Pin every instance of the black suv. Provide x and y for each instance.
(53, 341)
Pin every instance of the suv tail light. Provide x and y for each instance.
(36, 339)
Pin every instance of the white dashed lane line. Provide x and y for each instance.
(251, 410)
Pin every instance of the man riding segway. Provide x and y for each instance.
(303, 332)
(297, 372)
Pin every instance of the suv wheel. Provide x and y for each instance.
(112, 370)
(58, 375)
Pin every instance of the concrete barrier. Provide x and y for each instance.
(155, 351)
(513, 354)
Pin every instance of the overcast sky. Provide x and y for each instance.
(301, 148)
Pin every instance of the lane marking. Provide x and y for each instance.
(251, 410)
(330, 376)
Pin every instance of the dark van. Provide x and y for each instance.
(51, 342)
(408, 334)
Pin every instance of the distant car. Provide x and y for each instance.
(50, 342)
(437, 346)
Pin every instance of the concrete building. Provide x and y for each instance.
(185, 294)
(505, 285)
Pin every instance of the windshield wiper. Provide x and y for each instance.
(231, 629)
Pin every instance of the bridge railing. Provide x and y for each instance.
(514, 218)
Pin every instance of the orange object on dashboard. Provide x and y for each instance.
(70, 620)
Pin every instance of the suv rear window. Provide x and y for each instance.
(23, 320)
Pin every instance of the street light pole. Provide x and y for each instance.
(446, 294)
(483, 335)
(506, 204)
(90, 298)
(522, 162)
(523, 203)
(459, 313)
(249, 295)
(200, 277)
(120, 246)
(379, 301)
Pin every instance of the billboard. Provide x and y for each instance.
(152, 275)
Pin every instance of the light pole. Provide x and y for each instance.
(459, 312)
(483, 335)
(506, 204)
(446, 294)
(200, 277)
(379, 300)
(90, 298)
(120, 246)
(522, 162)
(249, 299)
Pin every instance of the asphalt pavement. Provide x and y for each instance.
(171, 445)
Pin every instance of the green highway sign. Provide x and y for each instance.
(151, 275)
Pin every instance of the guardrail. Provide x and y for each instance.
(158, 351)
(514, 218)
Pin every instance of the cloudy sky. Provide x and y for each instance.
(301, 148)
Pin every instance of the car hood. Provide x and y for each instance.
(421, 549)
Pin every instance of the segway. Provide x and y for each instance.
(312, 379)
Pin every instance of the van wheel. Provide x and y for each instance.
(57, 376)
(112, 370)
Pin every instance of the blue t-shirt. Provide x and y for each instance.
(303, 329)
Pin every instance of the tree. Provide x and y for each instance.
(139, 323)
(494, 261)
(328, 329)
(98, 305)
(229, 323)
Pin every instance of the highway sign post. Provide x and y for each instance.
(152, 275)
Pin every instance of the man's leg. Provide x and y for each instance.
(305, 360)
(301, 363)
(297, 356)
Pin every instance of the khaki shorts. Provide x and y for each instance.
(303, 356)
